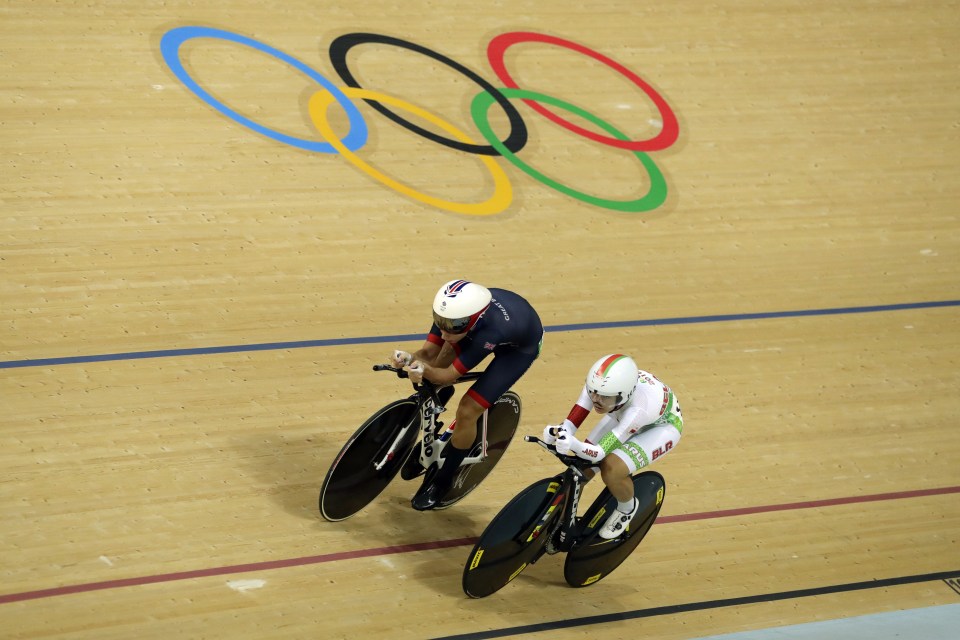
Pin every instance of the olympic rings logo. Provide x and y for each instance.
(321, 101)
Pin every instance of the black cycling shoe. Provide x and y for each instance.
(412, 467)
(430, 495)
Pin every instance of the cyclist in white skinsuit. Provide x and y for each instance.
(641, 423)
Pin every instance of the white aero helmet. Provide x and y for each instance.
(613, 376)
(459, 304)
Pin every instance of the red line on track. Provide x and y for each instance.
(439, 544)
(813, 504)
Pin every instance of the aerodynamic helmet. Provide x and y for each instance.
(613, 376)
(459, 304)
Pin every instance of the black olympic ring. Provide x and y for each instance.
(518, 130)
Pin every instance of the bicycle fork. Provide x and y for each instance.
(568, 522)
(391, 451)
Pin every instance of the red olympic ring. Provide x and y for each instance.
(668, 134)
(172, 40)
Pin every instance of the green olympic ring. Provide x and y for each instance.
(479, 108)
(658, 186)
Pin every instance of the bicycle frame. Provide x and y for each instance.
(429, 408)
(567, 526)
(543, 519)
(383, 447)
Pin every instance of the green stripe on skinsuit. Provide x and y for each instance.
(610, 443)
(670, 417)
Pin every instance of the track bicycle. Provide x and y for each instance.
(407, 437)
(542, 519)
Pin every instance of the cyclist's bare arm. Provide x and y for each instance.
(435, 355)
(438, 362)
(430, 353)
(441, 375)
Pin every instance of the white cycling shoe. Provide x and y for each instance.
(618, 522)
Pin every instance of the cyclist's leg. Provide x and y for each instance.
(497, 378)
(616, 475)
(648, 446)
(618, 467)
(616, 472)
(641, 450)
(469, 410)
(501, 374)
(464, 431)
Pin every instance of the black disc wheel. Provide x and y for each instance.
(502, 420)
(593, 558)
(513, 539)
(352, 481)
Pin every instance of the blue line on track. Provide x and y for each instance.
(587, 326)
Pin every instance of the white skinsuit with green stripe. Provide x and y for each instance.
(640, 432)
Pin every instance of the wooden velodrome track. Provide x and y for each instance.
(190, 309)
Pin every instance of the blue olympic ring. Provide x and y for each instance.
(170, 48)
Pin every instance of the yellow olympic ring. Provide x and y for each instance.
(502, 190)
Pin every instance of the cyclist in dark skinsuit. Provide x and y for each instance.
(470, 323)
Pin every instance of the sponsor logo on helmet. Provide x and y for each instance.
(452, 289)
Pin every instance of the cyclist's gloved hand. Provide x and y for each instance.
(401, 358)
(550, 433)
(415, 370)
(567, 444)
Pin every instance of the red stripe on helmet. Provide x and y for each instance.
(602, 371)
